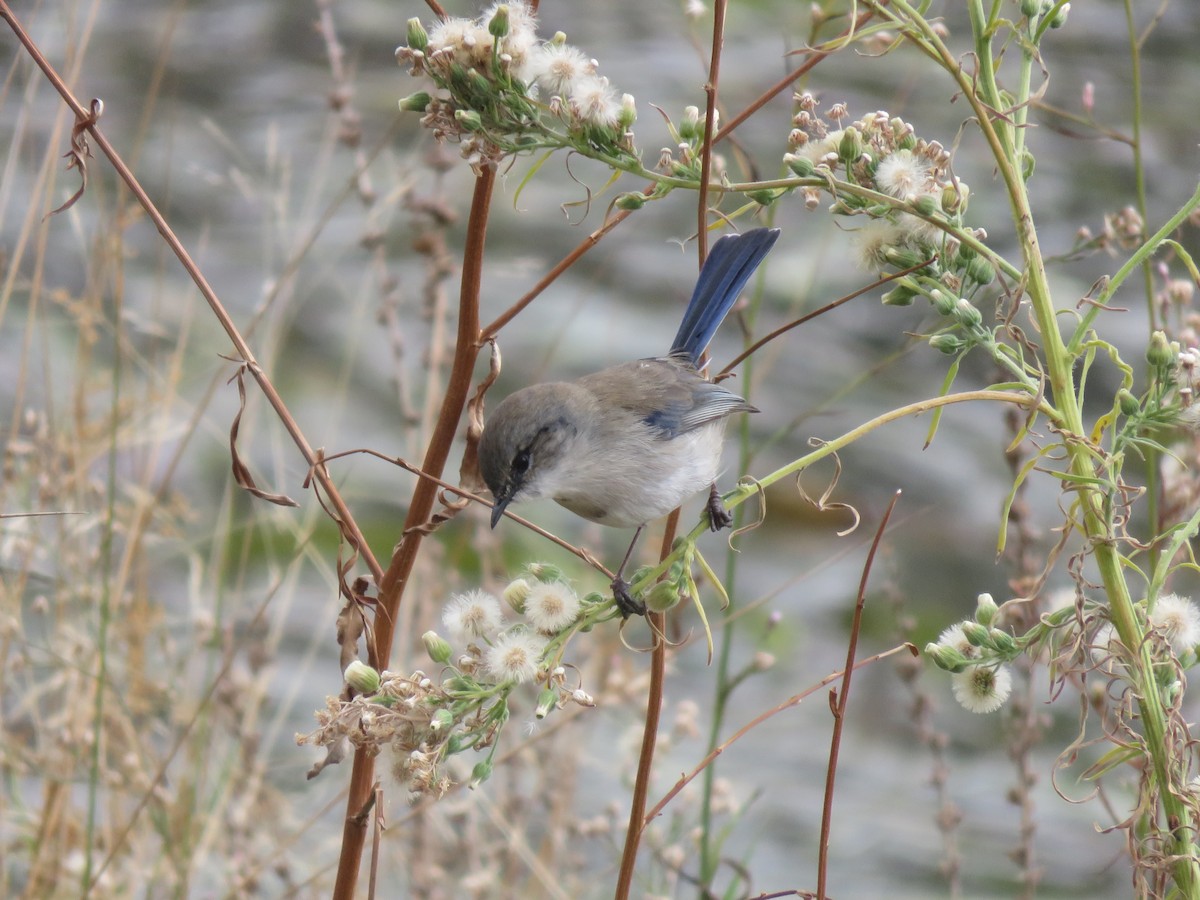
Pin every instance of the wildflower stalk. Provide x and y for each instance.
(985, 97)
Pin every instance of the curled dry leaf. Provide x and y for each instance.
(80, 152)
(823, 503)
(334, 754)
(468, 473)
(241, 473)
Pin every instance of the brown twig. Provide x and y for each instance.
(654, 697)
(391, 586)
(550, 277)
(657, 621)
(839, 701)
(710, 118)
(807, 317)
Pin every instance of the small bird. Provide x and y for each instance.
(630, 443)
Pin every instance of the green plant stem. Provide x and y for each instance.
(1092, 504)
(1020, 115)
(753, 487)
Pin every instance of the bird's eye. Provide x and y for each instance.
(520, 463)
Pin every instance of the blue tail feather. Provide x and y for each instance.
(730, 263)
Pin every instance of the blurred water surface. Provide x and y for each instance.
(224, 110)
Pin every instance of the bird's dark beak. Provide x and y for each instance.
(499, 504)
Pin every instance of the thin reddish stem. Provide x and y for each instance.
(654, 698)
(843, 699)
(391, 587)
(710, 119)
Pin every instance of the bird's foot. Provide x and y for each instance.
(718, 516)
(626, 602)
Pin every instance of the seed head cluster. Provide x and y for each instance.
(420, 720)
(503, 90)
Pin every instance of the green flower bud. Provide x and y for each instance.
(967, 314)
(546, 700)
(1130, 406)
(479, 84)
(442, 720)
(985, 609)
(800, 165)
(628, 114)
(763, 197)
(980, 270)
(516, 594)
(481, 773)
(942, 302)
(689, 125)
(459, 685)
(946, 658)
(946, 343)
(417, 37)
(1060, 17)
(632, 200)
(851, 147)
(1159, 354)
(418, 102)
(976, 634)
(545, 572)
(903, 257)
(498, 26)
(926, 205)
(954, 197)
(899, 296)
(663, 596)
(437, 647)
(362, 678)
(1031, 8)
(468, 119)
(1002, 642)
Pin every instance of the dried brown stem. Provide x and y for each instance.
(391, 587)
(784, 329)
(842, 700)
(654, 696)
(550, 277)
(710, 118)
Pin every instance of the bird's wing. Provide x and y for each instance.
(670, 397)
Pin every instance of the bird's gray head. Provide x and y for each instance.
(526, 440)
